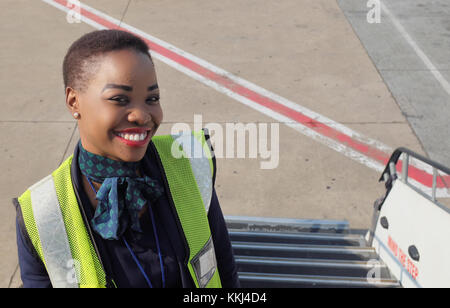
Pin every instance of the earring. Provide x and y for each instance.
(76, 115)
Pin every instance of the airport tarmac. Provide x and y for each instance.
(303, 65)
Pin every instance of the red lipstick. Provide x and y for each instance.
(134, 133)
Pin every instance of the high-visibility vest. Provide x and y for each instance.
(56, 228)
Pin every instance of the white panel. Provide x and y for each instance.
(414, 220)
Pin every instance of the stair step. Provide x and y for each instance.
(264, 280)
(257, 249)
(299, 238)
(312, 267)
(266, 224)
(283, 252)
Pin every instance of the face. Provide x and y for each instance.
(120, 110)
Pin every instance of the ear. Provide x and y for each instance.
(72, 100)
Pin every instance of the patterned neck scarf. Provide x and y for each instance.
(122, 195)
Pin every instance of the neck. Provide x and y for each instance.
(89, 191)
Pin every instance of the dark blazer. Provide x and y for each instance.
(117, 261)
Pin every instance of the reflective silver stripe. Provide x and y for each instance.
(52, 234)
(200, 165)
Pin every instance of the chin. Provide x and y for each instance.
(134, 157)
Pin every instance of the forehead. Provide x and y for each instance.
(125, 67)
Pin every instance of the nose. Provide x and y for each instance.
(139, 116)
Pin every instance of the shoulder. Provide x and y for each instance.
(22, 232)
(168, 146)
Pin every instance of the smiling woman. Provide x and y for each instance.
(122, 211)
(115, 88)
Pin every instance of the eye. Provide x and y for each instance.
(120, 99)
(123, 99)
(153, 99)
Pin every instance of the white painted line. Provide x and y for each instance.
(366, 151)
(431, 67)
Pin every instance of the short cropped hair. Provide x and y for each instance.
(84, 55)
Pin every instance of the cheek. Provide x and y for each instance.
(157, 114)
(103, 121)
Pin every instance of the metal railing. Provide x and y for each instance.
(390, 172)
(389, 176)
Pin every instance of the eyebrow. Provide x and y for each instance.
(126, 88)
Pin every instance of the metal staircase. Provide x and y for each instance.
(288, 253)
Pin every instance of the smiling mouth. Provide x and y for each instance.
(133, 136)
(134, 139)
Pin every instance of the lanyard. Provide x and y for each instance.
(147, 279)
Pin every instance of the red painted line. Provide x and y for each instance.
(419, 175)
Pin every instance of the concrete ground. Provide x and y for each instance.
(409, 48)
(305, 51)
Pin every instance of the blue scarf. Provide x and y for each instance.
(122, 195)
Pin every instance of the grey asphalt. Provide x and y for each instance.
(422, 99)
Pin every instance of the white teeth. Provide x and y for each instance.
(133, 137)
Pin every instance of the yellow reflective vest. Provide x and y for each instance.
(57, 231)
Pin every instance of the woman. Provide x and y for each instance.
(123, 210)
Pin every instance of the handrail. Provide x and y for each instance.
(396, 155)
(393, 160)
(389, 175)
